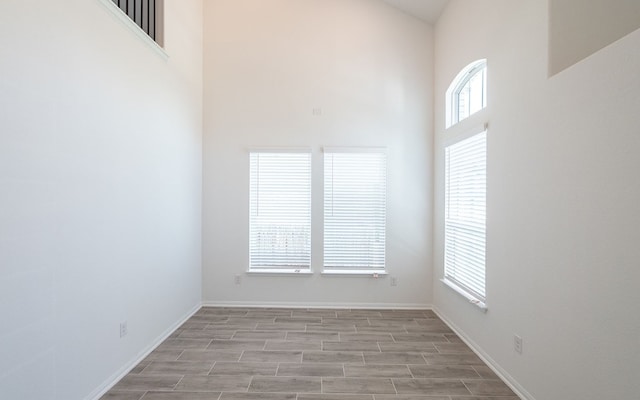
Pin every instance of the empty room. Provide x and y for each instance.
(319, 200)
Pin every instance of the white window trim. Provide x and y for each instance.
(121, 16)
(258, 149)
(452, 94)
(302, 270)
(473, 300)
(455, 95)
(280, 272)
(463, 135)
(373, 272)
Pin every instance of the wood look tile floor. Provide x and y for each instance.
(298, 354)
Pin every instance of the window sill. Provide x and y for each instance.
(476, 302)
(354, 272)
(280, 272)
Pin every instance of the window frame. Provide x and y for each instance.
(452, 97)
(364, 269)
(293, 269)
(474, 298)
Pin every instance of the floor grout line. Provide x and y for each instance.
(212, 367)
(177, 383)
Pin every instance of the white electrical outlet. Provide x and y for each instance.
(238, 279)
(517, 344)
(394, 281)
(123, 329)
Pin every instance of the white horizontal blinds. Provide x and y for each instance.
(355, 210)
(465, 214)
(280, 211)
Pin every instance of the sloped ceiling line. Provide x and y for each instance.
(426, 10)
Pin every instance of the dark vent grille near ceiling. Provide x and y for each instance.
(142, 12)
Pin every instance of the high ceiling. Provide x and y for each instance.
(426, 10)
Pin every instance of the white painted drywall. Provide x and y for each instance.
(368, 67)
(100, 191)
(563, 203)
(579, 28)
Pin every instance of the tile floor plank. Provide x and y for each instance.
(485, 398)
(393, 358)
(485, 372)
(453, 359)
(271, 356)
(357, 385)
(333, 357)
(487, 387)
(313, 336)
(237, 345)
(163, 355)
(293, 345)
(335, 397)
(350, 346)
(444, 371)
(149, 382)
(412, 397)
(300, 327)
(411, 347)
(193, 383)
(366, 337)
(177, 368)
(274, 335)
(452, 348)
(244, 368)
(298, 384)
(258, 396)
(319, 328)
(430, 386)
(420, 337)
(381, 370)
(181, 396)
(310, 369)
(185, 343)
(209, 355)
(116, 395)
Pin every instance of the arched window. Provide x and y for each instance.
(467, 94)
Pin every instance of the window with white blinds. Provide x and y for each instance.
(280, 211)
(465, 214)
(355, 204)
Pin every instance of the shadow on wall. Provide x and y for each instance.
(579, 28)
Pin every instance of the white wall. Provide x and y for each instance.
(563, 204)
(368, 67)
(100, 191)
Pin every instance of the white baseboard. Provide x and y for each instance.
(115, 378)
(520, 391)
(365, 306)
